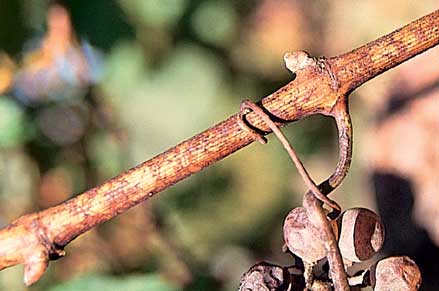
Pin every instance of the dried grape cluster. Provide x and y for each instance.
(360, 235)
(318, 238)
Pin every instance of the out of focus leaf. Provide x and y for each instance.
(215, 22)
(12, 123)
(156, 12)
(17, 183)
(106, 154)
(125, 69)
(151, 282)
(150, 104)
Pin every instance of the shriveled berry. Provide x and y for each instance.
(396, 274)
(361, 234)
(302, 238)
(266, 277)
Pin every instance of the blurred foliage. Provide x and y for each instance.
(12, 123)
(132, 283)
(215, 23)
(89, 89)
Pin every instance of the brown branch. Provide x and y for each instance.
(36, 238)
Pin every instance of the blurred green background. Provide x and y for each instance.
(89, 89)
